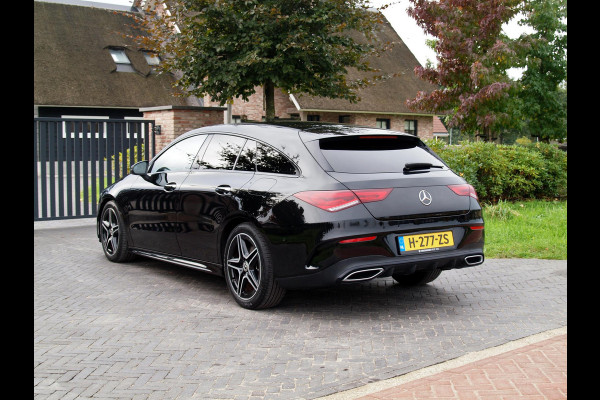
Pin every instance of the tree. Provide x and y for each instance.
(473, 56)
(226, 48)
(545, 58)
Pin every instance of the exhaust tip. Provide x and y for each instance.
(474, 260)
(362, 275)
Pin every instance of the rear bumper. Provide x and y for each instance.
(365, 268)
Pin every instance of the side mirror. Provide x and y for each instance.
(140, 168)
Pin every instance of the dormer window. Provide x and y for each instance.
(151, 58)
(121, 60)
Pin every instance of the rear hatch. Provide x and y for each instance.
(418, 178)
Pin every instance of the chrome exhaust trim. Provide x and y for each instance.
(362, 275)
(474, 260)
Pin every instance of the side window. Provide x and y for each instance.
(245, 161)
(222, 152)
(268, 159)
(180, 156)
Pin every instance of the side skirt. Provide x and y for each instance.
(216, 270)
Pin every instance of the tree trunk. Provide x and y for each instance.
(269, 96)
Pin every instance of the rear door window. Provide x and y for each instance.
(221, 153)
(375, 154)
(268, 159)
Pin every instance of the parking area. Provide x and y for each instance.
(151, 330)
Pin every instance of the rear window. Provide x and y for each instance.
(374, 154)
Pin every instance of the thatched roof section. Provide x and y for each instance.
(73, 67)
(386, 96)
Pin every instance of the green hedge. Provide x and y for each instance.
(508, 172)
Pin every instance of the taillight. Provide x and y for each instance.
(369, 195)
(330, 200)
(464, 190)
(337, 200)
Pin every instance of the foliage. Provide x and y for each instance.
(523, 141)
(226, 48)
(509, 172)
(473, 57)
(117, 160)
(545, 58)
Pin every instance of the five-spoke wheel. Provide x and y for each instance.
(112, 234)
(110, 231)
(248, 269)
(244, 266)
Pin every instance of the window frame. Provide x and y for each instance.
(387, 121)
(122, 65)
(416, 127)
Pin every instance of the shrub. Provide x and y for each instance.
(509, 172)
(501, 211)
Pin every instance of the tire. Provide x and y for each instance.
(113, 234)
(418, 278)
(248, 269)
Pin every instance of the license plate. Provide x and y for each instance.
(426, 241)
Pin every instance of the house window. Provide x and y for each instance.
(151, 58)
(236, 119)
(410, 126)
(383, 123)
(121, 59)
(344, 119)
(313, 117)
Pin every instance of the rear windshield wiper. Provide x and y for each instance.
(419, 167)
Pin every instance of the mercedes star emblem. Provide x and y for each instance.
(425, 197)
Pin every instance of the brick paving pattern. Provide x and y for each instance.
(151, 330)
(534, 372)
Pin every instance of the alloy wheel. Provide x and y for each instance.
(110, 231)
(244, 266)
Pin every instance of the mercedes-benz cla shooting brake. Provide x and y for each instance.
(300, 205)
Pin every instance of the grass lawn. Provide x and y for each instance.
(526, 229)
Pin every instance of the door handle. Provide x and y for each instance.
(169, 187)
(223, 189)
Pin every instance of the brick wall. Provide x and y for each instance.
(424, 123)
(177, 120)
(284, 108)
(254, 110)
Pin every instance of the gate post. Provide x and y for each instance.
(177, 120)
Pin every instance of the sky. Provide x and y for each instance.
(406, 27)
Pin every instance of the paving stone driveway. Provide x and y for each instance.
(151, 330)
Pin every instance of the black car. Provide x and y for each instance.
(299, 205)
